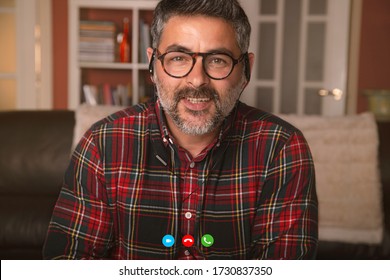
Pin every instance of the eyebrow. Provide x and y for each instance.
(177, 48)
(180, 48)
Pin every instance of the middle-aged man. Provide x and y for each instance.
(194, 174)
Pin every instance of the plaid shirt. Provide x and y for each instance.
(128, 185)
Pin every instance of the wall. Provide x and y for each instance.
(60, 53)
(374, 58)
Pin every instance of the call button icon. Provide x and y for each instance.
(207, 240)
(168, 240)
(187, 240)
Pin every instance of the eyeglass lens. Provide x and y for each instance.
(180, 64)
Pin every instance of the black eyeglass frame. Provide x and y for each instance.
(194, 55)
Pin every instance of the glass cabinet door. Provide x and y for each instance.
(300, 51)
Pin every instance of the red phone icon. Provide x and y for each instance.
(187, 240)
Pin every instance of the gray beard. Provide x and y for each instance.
(223, 108)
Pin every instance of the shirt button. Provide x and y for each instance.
(188, 215)
(192, 164)
(186, 252)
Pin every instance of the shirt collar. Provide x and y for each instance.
(161, 119)
(165, 133)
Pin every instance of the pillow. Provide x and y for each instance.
(345, 152)
(87, 115)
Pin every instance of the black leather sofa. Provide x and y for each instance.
(34, 152)
(35, 147)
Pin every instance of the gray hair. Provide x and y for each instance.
(228, 10)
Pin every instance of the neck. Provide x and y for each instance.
(194, 144)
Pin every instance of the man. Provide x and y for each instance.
(195, 174)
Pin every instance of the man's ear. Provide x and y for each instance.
(248, 64)
(151, 53)
(251, 57)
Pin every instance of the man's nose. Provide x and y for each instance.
(198, 77)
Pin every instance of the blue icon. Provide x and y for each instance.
(168, 240)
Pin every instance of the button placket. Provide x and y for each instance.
(190, 202)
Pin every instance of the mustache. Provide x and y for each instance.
(203, 92)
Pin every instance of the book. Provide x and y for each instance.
(145, 40)
(90, 94)
(107, 94)
(97, 41)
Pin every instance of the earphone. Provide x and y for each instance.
(247, 70)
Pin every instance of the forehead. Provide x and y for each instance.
(199, 34)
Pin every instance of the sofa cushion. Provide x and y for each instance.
(24, 220)
(35, 150)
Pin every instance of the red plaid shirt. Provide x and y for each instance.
(128, 185)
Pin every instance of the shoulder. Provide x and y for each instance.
(125, 117)
(258, 120)
(271, 134)
(97, 123)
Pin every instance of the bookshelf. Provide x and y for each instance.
(98, 72)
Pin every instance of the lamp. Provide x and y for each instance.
(379, 103)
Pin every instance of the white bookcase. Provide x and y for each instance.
(134, 68)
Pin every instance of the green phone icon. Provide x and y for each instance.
(207, 240)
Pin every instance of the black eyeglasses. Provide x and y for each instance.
(179, 64)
